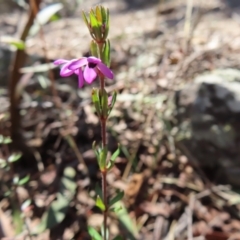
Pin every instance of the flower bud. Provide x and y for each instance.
(98, 23)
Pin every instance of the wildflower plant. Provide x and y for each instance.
(89, 69)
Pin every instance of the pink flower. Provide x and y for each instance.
(91, 65)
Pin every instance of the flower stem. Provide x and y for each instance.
(104, 191)
(104, 172)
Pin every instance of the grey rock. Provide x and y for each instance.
(208, 110)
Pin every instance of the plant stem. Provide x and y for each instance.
(104, 192)
(104, 172)
(104, 144)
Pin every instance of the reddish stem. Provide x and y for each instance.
(104, 191)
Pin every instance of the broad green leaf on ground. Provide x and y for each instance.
(117, 198)
(126, 220)
(17, 219)
(14, 157)
(58, 208)
(94, 234)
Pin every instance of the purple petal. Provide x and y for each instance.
(105, 70)
(93, 60)
(78, 63)
(60, 61)
(80, 78)
(89, 74)
(65, 72)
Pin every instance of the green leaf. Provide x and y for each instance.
(94, 234)
(106, 21)
(5, 140)
(44, 16)
(126, 220)
(26, 204)
(18, 222)
(114, 98)
(102, 158)
(96, 101)
(94, 48)
(106, 53)
(23, 180)
(104, 13)
(14, 157)
(58, 208)
(69, 172)
(16, 180)
(100, 204)
(18, 43)
(104, 103)
(3, 163)
(117, 198)
(115, 154)
(85, 19)
(95, 26)
(113, 158)
(115, 209)
(98, 14)
(54, 18)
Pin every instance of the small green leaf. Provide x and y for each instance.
(94, 234)
(116, 209)
(55, 17)
(98, 14)
(104, 103)
(5, 140)
(100, 204)
(85, 19)
(96, 101)
(7, 193)
(106, 53)
(95, 26)
(114, 98)
(18, 43)
(106, 21)
(117, 198)
(115, 154)
(24, 180)
(17, 219)
(15, 180)
(95, 150)
(104, 14)
(3, 163)
(26, 204)
(69, 172)
(94, 48)
(126, 219)
(102, 158)
(14, 157)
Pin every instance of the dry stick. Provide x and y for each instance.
(57, 100)
(18, 63)
(187, 24)
(35, 9)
